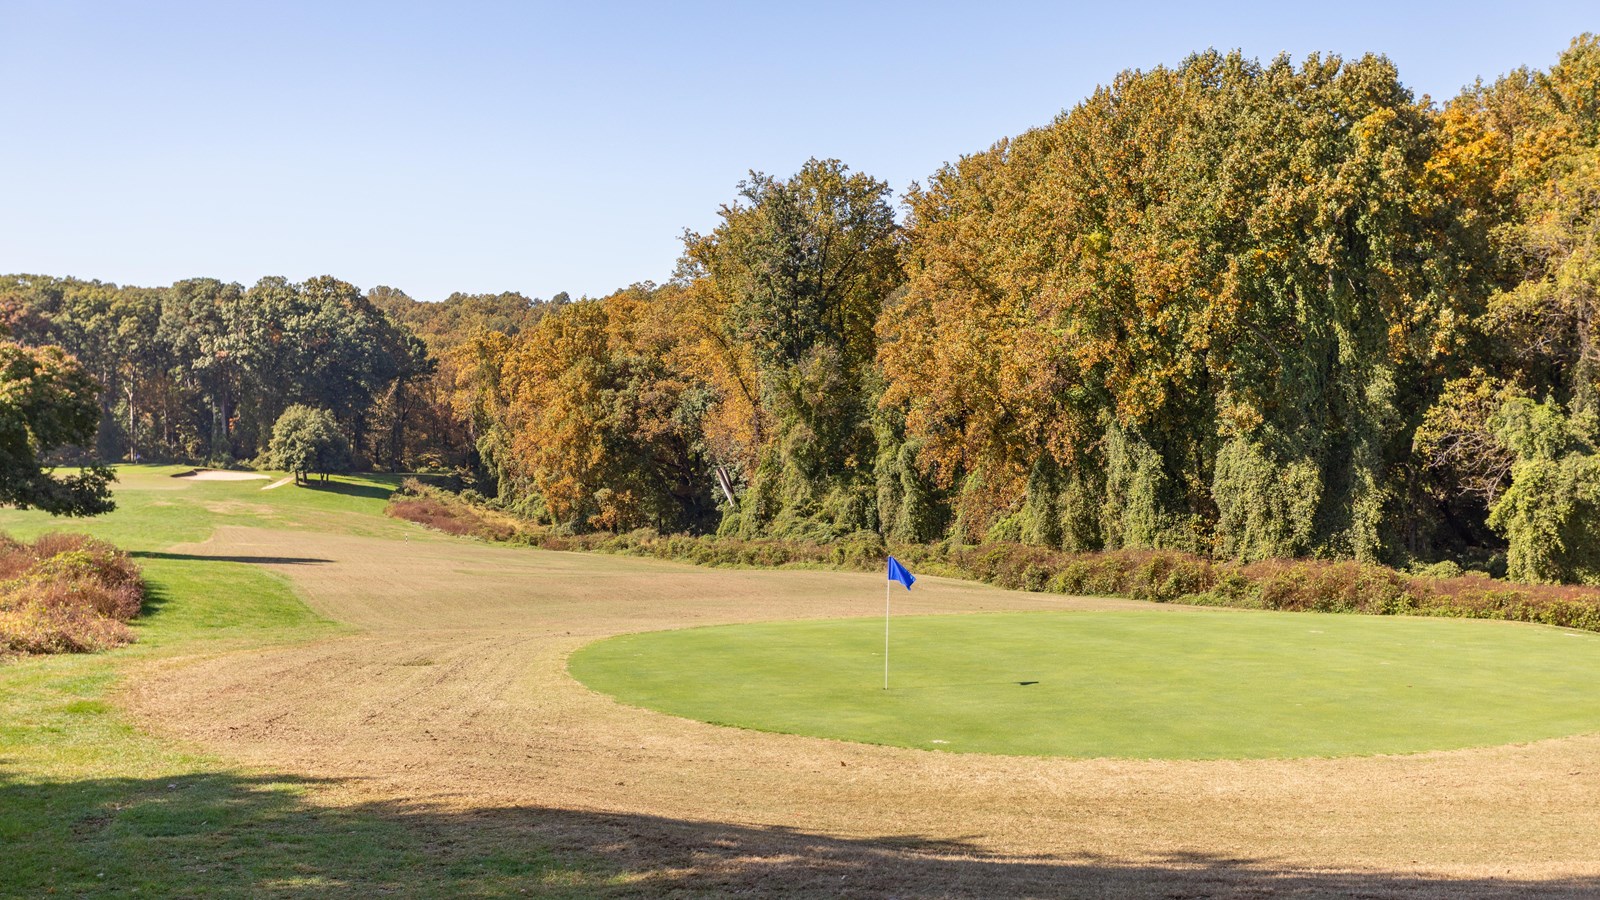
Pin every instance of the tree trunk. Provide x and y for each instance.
(133, 442)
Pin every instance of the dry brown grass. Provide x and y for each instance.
(455, 696)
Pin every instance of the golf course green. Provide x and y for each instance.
(1157, 684)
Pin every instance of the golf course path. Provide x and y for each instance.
(452, 690)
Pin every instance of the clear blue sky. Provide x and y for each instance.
(564, 146)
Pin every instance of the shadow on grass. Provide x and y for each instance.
(910, 688)
(218, 834)
(156, 598)
(332, 486)
(258, 560)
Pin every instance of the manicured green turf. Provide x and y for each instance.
(1161, 684)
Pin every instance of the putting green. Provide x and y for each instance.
(1163, 684)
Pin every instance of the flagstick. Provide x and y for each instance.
(886, 635)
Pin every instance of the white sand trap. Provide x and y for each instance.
(287, 479)
(220, 475)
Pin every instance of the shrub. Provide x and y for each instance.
(450, 518)
(1445, 569)
(66, 593)
(450, 513)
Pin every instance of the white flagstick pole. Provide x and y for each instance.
(886, 634)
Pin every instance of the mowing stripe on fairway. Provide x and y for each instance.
(1211, 685)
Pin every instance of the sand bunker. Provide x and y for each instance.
(220, 475)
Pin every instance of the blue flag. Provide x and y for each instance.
(900, 573)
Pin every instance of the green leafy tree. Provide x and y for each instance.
(306, 441)
(1547, 514)
(797, 274)
(203, 321)
(48, 401)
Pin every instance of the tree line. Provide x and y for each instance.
(1238, 308)
(201, 370)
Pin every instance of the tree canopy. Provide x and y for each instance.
(1249, 309)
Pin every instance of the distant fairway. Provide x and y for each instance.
(1215, 684)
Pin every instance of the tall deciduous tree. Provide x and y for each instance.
(597, 423)
(785, 293)
(48, 401)
(1202, 309)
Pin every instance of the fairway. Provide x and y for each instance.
(1144, 685)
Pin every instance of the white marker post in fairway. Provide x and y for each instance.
(903, 575)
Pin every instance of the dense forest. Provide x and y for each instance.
(1243, 309)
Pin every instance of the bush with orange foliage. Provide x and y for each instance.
(66, 593)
